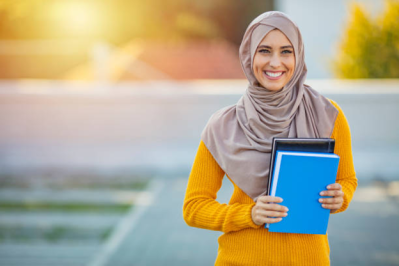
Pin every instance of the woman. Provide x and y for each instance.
(237, 142)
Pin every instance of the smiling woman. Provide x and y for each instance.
(237, 142)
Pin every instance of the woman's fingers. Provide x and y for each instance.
(337, 197)
(331, 200)
(266, 210)
(336, 186)
(273, 207)
(276, 214)
(272, 220)
(266, 202)
(270, 199)
(267, 220)
(331, 206)
(332, 193)
(332, 190)
(269, 210)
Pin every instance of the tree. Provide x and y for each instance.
(370, 47)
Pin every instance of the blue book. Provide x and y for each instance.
(298, 178)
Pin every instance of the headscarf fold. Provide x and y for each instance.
(239, 137)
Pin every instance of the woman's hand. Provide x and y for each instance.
(266, 210)
(334, 203)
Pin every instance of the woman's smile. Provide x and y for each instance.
(273, 75)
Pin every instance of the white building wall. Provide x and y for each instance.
(157, 126)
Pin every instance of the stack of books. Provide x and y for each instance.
(300, 170)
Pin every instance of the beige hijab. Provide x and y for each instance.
(239, 137)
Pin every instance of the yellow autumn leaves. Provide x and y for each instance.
(370, 45)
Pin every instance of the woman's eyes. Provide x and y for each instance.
(264, 51)
(267, 51)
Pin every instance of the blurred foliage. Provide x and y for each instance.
(74, 27)
(61, 180)
(370, 48)
(120, 20)
(34, 206)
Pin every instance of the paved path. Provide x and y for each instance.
(28, 237)
(45, 219)
(367, 234)
(32, 255)
(154, 233)
(161, 237)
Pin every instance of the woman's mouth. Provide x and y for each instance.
(273, 75)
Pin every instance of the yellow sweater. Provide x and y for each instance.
(245, 243)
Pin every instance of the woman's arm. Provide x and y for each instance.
(200, 208)
(346, 175)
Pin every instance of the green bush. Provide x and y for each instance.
(370, 46)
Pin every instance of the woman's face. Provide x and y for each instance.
(274, 61)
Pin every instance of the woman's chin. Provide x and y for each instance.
(273, 87)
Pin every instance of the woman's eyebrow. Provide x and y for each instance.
(269, 47)
(264, 46)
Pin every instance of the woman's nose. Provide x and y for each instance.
(275, 61)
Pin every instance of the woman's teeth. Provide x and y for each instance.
(274, 74)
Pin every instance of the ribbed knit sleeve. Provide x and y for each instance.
(200, 208)
(346, 175)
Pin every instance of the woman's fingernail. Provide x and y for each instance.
(322, 193)
(285, 214)
(320, 200)
(328, 187)
(324, 205)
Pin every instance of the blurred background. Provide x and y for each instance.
(102, 104)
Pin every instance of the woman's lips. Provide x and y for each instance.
(273, 75)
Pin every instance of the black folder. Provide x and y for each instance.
(298, 144)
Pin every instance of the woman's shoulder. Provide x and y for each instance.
(341, 116)
(335, 105)
(321, 98)
(341, 123)
(222, 113)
